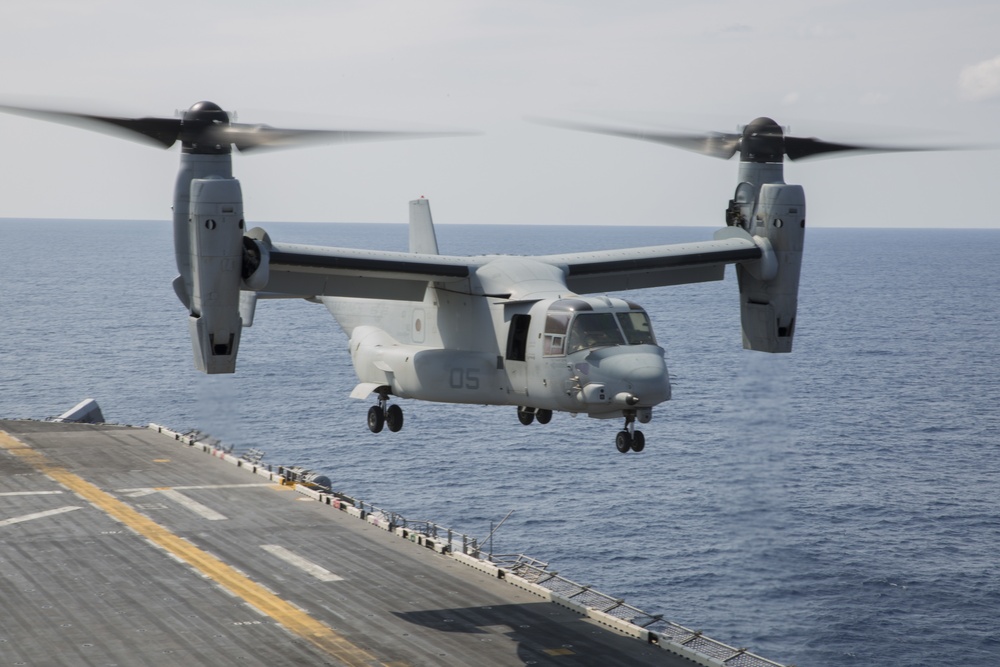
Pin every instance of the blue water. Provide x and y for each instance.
(835, 506)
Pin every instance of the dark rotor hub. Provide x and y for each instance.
(198, 133)
(763, 141)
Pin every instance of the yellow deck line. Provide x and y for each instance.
(289, 616)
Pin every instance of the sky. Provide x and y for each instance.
(909, 72)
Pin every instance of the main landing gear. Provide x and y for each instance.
(385, 415)
(528, 415)
(629, 438)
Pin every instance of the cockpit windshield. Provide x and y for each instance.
(572, 325)
(635, 324)
(594, 330)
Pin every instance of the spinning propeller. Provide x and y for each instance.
(762, 140)
(217, 258)
(206, 129)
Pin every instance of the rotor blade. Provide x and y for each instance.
(161, 132)
(264, 137)
(164, 132)
(801, 148)
(713, 144)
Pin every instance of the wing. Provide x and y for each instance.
(311, 271)
(656, 266)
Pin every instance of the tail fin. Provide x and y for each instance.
(769, 298)
(422, 237)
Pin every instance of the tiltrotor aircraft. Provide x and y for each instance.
(534, 332)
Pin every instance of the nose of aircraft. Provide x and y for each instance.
(649, 382)
(637, 370)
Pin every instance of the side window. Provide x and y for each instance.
(517, 337)
(555, 345)
(555, 334)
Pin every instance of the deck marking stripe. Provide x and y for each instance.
(37, 515)
(298, 561)
(140, 494)
(282, 611)
(204, 511)
(28, 493)
(194, 487)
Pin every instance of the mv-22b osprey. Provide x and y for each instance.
(534, 332)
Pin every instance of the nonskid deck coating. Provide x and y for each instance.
(120, 547)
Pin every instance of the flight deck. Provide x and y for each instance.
(139, 546)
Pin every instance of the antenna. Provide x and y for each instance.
(494, 530)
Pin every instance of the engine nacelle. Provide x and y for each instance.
(215, 230)
(769, 297)
(256, 259)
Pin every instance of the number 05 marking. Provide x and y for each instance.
(464, 378)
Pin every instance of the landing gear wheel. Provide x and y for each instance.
(394, 417)
(376, 418)
(524, 416)
(638, 442)
(623, 441)
(543, 416)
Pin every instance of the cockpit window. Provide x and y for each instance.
(572, 325)
(635, 324)
(593, 330)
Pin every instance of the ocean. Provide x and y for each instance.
(835, 506)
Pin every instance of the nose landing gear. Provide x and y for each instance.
(629, 438)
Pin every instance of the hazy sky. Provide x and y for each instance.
(906, 71)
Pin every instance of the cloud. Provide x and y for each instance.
(980, 81)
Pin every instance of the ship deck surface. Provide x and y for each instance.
(120, 546)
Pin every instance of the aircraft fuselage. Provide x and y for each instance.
(591, 355)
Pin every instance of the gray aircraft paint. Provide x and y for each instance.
(473, 329)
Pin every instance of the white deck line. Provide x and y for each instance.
(37, 515)
(204, 511)
(307, 566)
(28, 493)
(194, 487)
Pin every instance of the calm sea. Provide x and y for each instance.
(836, 506)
